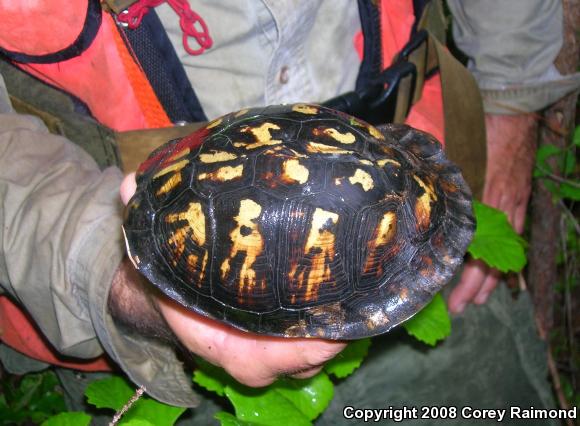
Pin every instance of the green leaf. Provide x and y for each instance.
(264, 407)
(349, 359)
(70, 418)
(495, 241)
(577, 136)
(154, 412)
(210, 377)
(567, 162)
(288, 401)
(228, 419)
(569, 191)
(311, 396)
(543, 153)
(546, 151)
(112, 392)
(137, 422)
(430, 324)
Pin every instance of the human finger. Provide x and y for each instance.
(472, 278)
(520, 217)
(128, 187)
(489, 285)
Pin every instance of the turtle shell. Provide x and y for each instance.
(298, 220)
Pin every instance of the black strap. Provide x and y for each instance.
(380, 100)
(158, 59)
(377, 97)
(418, 9)
(371, 64)
(83, 41)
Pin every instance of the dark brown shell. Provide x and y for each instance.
(300, 221)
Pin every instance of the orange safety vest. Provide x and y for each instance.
(106, 77)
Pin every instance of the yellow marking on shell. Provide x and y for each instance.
(177, 240)
(223, 174)
(297, 154)
(171, 183)
(296, 330)
(320, 148)
(294, 171)
(323, 240)
(377, 318)
(305, 109)
(177, 155)
(388, 161)
(241, 112)
(375, 132)
(192, 266)
(345, 138)
(214, 123)
(171, 168)
(262, 135)
(217, 157)
(338, 181)
(252, 244)
(192, 262)
(384, 232)
(367, 162)
(404, 295)
(363, 178)
(427, 187)
(274, 151)
(423, 204)
(195, 225)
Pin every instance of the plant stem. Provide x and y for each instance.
(573, 219)
(119, 414)
(556, 178)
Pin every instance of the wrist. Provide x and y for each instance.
(133, 304)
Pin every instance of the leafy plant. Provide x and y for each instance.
(114, 392)
(561, 185)
(287, 401)
(32, 398)
(69, 418)
(558, 169)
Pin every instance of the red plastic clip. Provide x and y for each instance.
(191, 23)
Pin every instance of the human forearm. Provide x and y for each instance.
(133, 304)
(54, 237)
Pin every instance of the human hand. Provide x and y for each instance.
(252, 359)
(511, 148)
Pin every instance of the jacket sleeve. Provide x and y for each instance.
(511, 47)
(61, 243)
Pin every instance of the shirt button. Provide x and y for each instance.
(284, 75)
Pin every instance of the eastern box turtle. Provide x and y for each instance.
(298, 220)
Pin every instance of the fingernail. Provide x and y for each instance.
(481, 298)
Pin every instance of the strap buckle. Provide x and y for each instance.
(388, 98)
